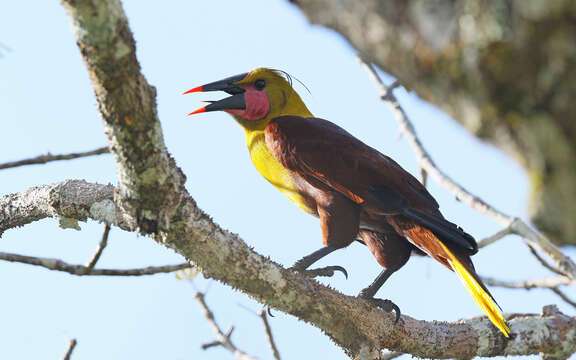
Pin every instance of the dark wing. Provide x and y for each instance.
(327, 155)
(321, 151)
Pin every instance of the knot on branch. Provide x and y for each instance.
(551, 310)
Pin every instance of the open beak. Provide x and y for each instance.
(234, 102)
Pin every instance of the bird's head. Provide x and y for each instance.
(257, 97)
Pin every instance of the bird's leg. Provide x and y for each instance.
(303, 264)
(384, 304)
(373, 288)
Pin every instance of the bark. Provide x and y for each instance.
(504, 69)
(149, 184)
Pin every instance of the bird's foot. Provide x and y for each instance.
(324, 271)
(384, 304)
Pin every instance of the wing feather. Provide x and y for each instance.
(327, 156)
(321, 151)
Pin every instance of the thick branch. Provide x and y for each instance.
(149, 184)
(68, 201)
(43, 159)
(353, 323)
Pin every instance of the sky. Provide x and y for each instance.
(47, 105)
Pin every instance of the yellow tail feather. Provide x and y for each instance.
(482, 298)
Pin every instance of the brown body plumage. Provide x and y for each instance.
(356, 192)
(353, 187)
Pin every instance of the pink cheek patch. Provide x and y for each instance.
(257, 105)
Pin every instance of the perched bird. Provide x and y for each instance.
(356, 192)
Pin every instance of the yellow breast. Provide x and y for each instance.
(272, 170)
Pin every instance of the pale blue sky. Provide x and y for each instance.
(47, 105)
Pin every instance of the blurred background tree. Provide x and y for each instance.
(503, 69)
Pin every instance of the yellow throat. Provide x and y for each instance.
(283, 101)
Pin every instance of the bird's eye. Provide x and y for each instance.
(260, 84)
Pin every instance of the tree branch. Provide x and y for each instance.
(150, 186)
(516, 225)
(224, 340)
(493, 238)
(68, 201)
(71, 346)
(564, 297)
(100, 249)
(544, 262)
(43, 159)
(545, 283)
(264, 316)
(224, 256)
(81, 270)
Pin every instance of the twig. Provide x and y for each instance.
(100, 249)
(71, 347)
(423, 177)
(81, 270)
(43, 159)
(544, 262)
(539, 242)
(562, 262)
(556, 290)
(223, 339)
(564, 297)
(493, 238)
(210, 344)
(271, 341)
(544, 283)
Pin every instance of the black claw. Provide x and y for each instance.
(397, 311)
(341, 269)
(387, 306)
(325, 271)
(269, 311)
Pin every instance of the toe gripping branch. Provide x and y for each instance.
(388, 306)
(303, 264)
(384, 304)
(324, 271)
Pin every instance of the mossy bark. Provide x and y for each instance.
(504, 69)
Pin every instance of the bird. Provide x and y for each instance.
(358, 193)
